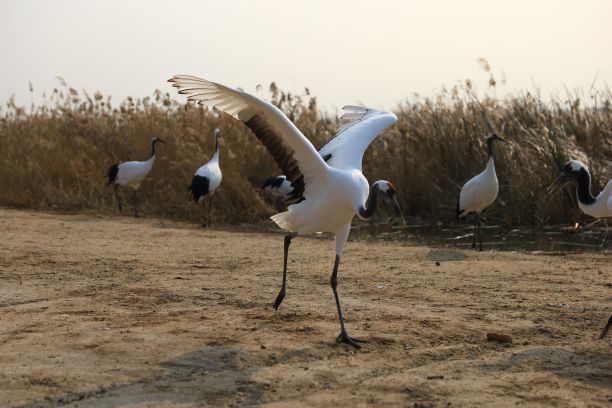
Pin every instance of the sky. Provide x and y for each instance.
(376, 53)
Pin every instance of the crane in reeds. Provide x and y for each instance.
(207, 179)
(278, 185)
(480, 191)
(327, 194)
(599, 207)
(131, 173)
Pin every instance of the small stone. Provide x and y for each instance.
(500, 338)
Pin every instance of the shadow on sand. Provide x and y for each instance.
(592, 369)
(212, 377)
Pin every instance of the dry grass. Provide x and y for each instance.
(54, 155)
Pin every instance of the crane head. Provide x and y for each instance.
(494, 136)
(571, 171)
(387, 191)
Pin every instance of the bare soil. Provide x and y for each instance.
(121, 312)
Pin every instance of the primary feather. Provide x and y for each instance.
(347, 147)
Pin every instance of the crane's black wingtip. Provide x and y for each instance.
(200, 187)
(111, 174)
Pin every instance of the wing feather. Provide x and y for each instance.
(346, 148)
(294, 154)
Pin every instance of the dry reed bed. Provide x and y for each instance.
(54, 155)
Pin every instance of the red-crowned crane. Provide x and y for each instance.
(131, 173)
(207, 179)
(597, 207)
(480, 191)
(278, 185)
(327, 196)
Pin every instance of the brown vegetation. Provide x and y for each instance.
(54, 155)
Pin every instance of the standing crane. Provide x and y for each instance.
(131, 173)
(480, 191)
(207, 179)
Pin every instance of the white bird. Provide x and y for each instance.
(278, 185)
(207, 179)
(327, 196)
(131, 173)
(597, 207)
(480, 191)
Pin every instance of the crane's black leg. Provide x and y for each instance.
(343, 336)
(604, 332)
(116, 187)
(135, 207)
(204, 216)
(209, 208)
(281, 293)
(606, 233)
(479, 233)
(474, 234)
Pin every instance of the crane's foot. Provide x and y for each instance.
(343, 337)
(279, 299)
(604, 332)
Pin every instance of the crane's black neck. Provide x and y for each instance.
(371, 204)
(490, 148)
(153, 147)
(583, 188)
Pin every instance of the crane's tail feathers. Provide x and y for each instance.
(461, 212)
(283, 220)
(111, 174)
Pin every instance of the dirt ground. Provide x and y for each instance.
(122, 312)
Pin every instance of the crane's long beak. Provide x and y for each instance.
(558, 183)
(398, 209)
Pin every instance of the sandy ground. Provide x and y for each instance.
(118, 312)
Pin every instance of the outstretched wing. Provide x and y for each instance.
(294, 154)
(346, 149)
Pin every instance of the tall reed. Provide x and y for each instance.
(53, 155)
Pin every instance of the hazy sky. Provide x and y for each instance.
(374, 52)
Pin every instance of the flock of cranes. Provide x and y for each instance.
(325, 190)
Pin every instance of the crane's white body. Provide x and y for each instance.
(602, 207)
(328, 208)
(212, 172)
(480, 191)
(132, 173)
